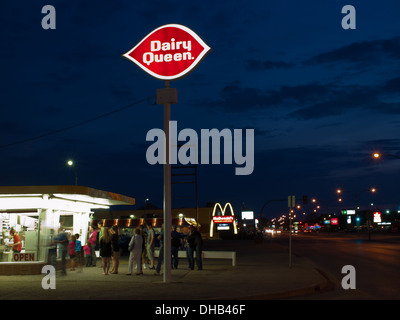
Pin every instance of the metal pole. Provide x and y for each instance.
(290, 238)
(167, 193)
(76, 176)
(197, 199)
(356, 212)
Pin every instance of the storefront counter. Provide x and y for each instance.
(18, 268)
(5, 256)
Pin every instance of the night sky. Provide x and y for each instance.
(320, 99)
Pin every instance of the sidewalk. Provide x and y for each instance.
(262, 272)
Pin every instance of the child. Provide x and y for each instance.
(78, 249)
(72, 251)
(88, 255)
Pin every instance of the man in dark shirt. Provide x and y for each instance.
(175, 245)
(62, 239)
(196, 244)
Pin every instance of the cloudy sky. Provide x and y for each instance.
(320, 98)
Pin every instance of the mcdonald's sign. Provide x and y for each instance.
(225, 219)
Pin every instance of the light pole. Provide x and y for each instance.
(339, 191)
(145, 206)
(372, 190)
(72, 164)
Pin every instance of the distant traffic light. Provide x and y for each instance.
(305, 200)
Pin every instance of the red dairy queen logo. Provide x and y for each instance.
(169, 52)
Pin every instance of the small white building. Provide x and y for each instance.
(38, 212)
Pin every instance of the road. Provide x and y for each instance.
(376, 262)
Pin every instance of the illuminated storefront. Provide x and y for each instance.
(37, 213)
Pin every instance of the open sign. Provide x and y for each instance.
(24, 256)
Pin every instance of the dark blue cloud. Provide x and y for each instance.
(367, 52)
(256, 65)
(309, 89)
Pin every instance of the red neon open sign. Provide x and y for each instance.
(24, 257)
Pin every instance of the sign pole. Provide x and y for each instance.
(167, 192)
(167, 96)
(176, 61)
(290, 238)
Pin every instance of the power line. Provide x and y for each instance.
(75, 125)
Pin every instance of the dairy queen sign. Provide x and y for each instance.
(169, 52)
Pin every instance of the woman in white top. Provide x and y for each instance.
(135, 247)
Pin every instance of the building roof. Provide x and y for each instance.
(78, 194)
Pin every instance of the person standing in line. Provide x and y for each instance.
(78, 250)
(62, 240)
(92, 240)
(72, 251)
(161, 252)
(52, 250)
(115, 249)
(100, 231)
(150, 243)
(196, 244)
(105, 250)
(189, 253)
(88, 255)
(175, 245)
(135, 247)
(143, 257)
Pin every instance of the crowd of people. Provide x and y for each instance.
(141, 249)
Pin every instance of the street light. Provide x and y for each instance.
(71, 164)
(145, 206)
(378, 155)
(339, 191)
(372, 190)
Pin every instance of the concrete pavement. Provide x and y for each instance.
(262, 272)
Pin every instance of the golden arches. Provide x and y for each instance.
(223, 210)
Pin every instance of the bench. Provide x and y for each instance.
(207, 255)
